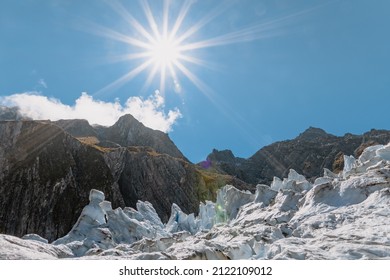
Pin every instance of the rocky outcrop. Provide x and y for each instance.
(225, 162)
(309, 153)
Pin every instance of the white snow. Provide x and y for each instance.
(345, 216)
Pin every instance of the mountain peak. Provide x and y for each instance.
(128, 131)
(313, 133)
(127, 118)
(224, 155)
(128, 121)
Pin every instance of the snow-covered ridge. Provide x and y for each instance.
(340, 216)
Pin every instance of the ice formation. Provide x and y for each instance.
(343, 216)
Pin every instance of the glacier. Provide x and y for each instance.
(339, 216)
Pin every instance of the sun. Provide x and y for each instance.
(165, 53)
(161, 49)
(164, 49)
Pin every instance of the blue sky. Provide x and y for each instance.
(283, 66)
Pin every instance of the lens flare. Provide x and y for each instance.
(165, 48)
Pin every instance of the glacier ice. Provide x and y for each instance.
(294, 181)
(384, 152)
(35, 237)
(179, 221)
(339, 216)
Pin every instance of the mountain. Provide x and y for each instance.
(344, 216)
(47, 169)
(309, 153)
(46, 173)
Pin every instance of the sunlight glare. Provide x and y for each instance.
(165, 52)
(164, 47)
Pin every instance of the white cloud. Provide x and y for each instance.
(149, 111)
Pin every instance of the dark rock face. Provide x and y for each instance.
(308, 154)
(143, 174)
(226, 163)
(45, 178)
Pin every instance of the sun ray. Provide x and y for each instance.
(165, 18)
(125, 78)
(150, 18)
(151, 76)
(194, 79)
(127, 57)
(206, 19)
(115, 35)
(180, 18)
(162, 81)
(164, 48)
(248, 34)
(118, 7)
(263, 30)
(198, 61)
(172, 71)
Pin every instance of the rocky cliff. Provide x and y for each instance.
(45, 177)
(48, 168)
(309, 153)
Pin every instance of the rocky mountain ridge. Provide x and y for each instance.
(308, 154)
(127, 131)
